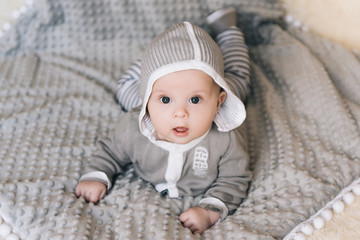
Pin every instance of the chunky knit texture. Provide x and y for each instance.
(58, 71)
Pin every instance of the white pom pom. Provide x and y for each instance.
(29, 2)
(13, 236)
(305, 28)
(6, 26)
(15, 14)
(299, 236)
(318, 223)
(338, 206)
(5, 230)
(289, 18)
(22, 9)
(349, 198)
(297, 23)
(356, 189)
(307, 229)
(326, 214)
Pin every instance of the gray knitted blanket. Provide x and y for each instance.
(58, 71)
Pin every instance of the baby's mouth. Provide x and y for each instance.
(180, 131)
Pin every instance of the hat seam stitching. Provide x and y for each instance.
(194, 41)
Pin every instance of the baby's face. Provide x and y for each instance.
(183, 104)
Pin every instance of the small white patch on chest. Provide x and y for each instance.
(200, 165)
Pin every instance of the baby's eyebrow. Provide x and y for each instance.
(200, 93)
(159, 90)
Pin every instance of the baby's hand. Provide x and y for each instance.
(198, 219)
(92, 191)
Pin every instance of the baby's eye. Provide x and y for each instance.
(195, 100)
(165, 100)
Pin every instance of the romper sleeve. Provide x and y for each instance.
(110, 157)
(234, 175)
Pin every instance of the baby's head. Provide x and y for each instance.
(183, 105)
(183, 87)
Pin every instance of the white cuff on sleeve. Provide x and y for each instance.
(216, 203)
(96, 176)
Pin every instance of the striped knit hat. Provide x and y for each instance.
(186, 46)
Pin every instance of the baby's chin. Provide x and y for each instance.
(172, 138)
(178, 140)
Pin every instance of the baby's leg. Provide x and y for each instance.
(128, 87)
(236, 61)
(222, 24)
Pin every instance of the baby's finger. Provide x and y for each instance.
(102, 194)
(190, 226)
(184, 217)
(78, 191)
(93, 197)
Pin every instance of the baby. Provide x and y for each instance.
(184, 138)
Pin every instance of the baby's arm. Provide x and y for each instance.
(198, 219)
(109, 160)
(226, 193)
(92, 191)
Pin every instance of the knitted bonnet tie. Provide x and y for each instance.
(186, 46)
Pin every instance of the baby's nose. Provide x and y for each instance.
(180, 112)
